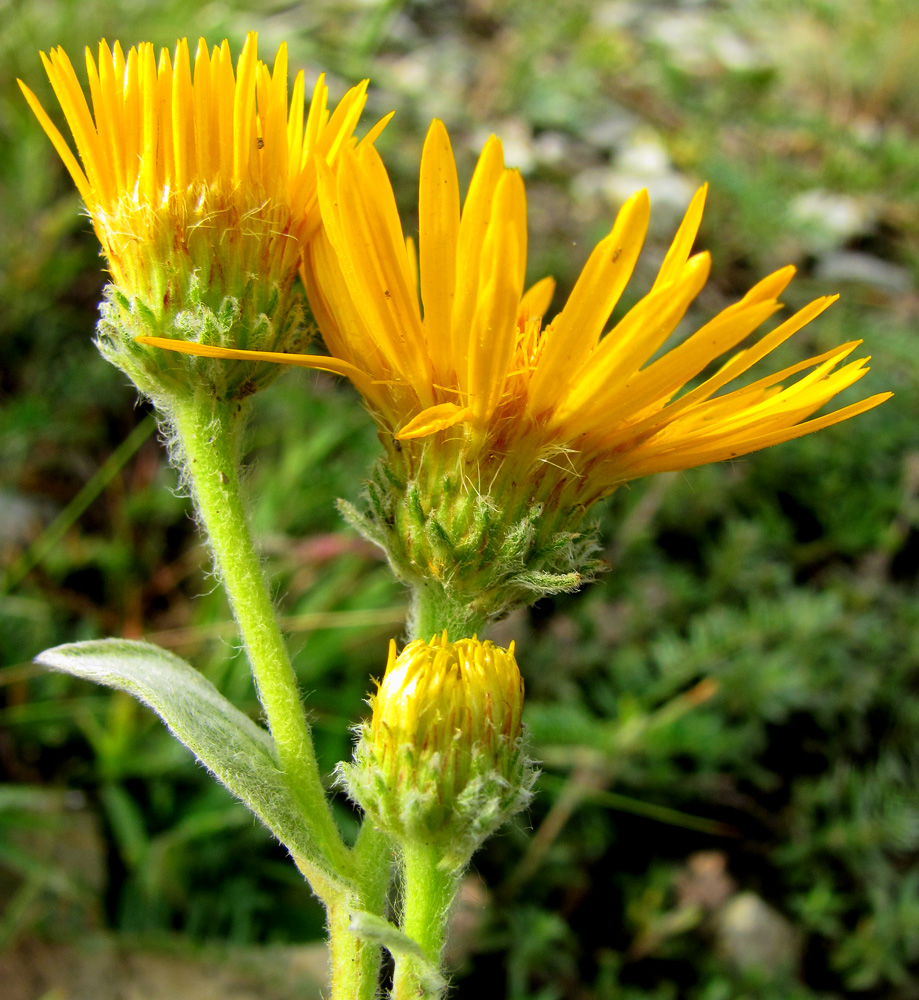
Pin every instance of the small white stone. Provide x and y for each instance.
(850, 265)
(753, 935)
(830, 219)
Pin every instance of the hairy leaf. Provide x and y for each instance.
(236, 750)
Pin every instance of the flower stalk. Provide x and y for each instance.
(428, 891)
(207, 444)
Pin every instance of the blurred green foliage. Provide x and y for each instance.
(728, 721)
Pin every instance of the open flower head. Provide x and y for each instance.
(200, 181)
(441, 756)
(474, 351)
(453, 345)
(475, 383)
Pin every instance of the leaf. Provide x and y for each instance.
(239, 753)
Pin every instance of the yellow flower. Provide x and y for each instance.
(179, 162)
(441, 757)
(201, 186)
(503, 425)
(435, 690)
(473, 351)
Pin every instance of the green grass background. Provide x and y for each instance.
(728, 720)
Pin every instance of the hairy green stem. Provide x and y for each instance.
(373, 863)
(207, 436)
(427, 895)
(354, 962)
(432, 610)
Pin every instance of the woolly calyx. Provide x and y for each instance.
(255, 313)
(441, 761)
(472, 536)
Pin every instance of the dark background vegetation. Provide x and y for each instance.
(729, 720)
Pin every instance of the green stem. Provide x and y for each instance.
(427, 895)
(432, 611)
(355, 962)
(373, 862)
(208, 433)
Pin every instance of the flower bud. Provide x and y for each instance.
(441, 759)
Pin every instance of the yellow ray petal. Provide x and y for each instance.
(745, 360)
(574, 333)
(207, 136)
(316, 120)
(368, 238)
(493, 336)
(223, 93)
(60, 144)
(537, 299)
(164, 163)
(683, 242)
(629, 345)
(411, 257)
(377, 130)
(341, 124)
(473, 227)
(667, 374)
(341, 323)
(334, 365)
(738, 407)
(244, 110)
(183, 123)
(76, 112)
(438, 229)
(434, 419)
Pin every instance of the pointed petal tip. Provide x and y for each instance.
(701, 261)
(641, 196)
(358, 92)
(493, 143)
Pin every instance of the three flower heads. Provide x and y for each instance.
(502, 422)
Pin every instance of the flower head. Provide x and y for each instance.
(451, 343)
(441, 757)
(477, 353)
(503, 424)
(446, 698)
(200, 183)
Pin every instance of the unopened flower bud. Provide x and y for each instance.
(441, 760)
